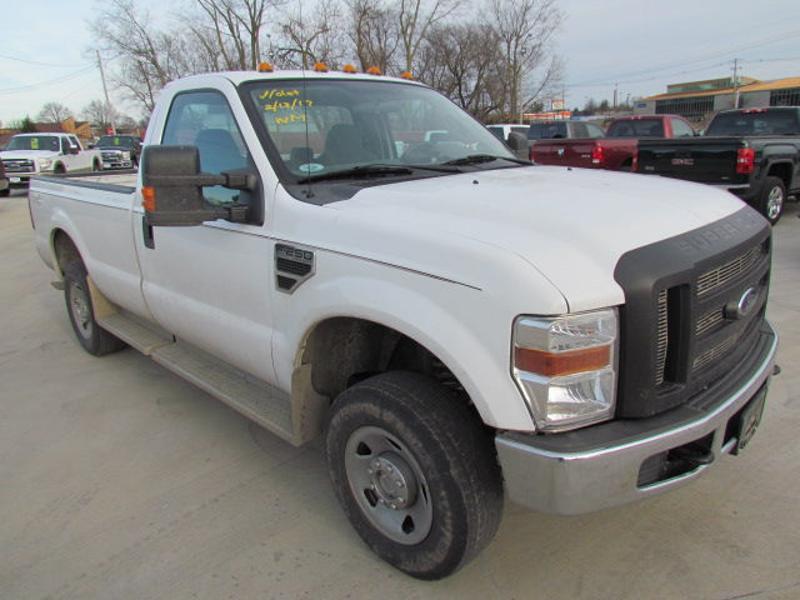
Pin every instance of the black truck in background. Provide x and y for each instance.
(754, 153)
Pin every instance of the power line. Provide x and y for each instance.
(63, 78)
(38, 63)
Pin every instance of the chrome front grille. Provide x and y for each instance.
(716, 278)
(18, 165)
(714, 353)
(662, 339)
(709, 320)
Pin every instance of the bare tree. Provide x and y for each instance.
(372, 29)
(54, 112)
(464, 63)
(415, 18)
(99, 114)
(526, 29)
(308, 40)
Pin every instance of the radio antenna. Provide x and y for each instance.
(304, 100)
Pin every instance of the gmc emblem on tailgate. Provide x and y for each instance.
(683, 162)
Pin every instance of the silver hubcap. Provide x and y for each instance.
(388, 485)
(81, 311)
(774, 202)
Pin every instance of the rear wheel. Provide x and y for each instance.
(59, 169)
(415, 471)
(772, 199)
(94, 339)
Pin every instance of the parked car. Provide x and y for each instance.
(753, 152)
(456, 325)
(30, 154)
(119, 151)
(502, 130)
(617, 150)
(5, 187)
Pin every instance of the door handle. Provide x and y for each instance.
(147, 234)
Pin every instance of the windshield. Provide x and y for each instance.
(547, 131)
(115, 140)
(757, 122)
(34, 142)
(638, 128)
(327, 126)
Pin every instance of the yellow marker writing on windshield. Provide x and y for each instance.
(34, 143)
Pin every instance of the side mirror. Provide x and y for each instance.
(519, 144)
(90, 146)
(172, 188)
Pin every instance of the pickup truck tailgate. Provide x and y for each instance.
(575, 152)
(703, 160)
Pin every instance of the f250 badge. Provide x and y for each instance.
(683, 162)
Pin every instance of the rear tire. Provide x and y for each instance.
(415, 471)
(772, 199)
(94, 339)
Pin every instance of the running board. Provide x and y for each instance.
(255, 399)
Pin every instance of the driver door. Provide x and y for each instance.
(209, 285)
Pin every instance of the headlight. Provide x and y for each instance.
(566, 367)
(126, 156)
(44, 163)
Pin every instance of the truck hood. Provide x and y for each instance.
(27, 154)
(572, 225)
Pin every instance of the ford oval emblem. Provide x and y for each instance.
(744, 306)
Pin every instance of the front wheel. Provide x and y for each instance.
(772, 199)
(415, 471)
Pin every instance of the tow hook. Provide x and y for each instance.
(693, 456)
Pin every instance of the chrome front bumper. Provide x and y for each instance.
(573, 473)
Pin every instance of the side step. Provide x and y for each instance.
(255, 399)
(259, 401)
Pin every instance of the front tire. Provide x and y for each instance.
(415, 471)
(772, 199)
(94, 339)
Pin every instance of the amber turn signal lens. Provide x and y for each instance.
(149, 198)
(555, 364)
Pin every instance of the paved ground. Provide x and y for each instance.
(119, 480)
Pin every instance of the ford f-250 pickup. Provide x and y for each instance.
(454, 335)
(616, 151)
(754, 153)
(30, 154)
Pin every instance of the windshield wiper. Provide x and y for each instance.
(476, 159)
(376, 170)
(359, 171)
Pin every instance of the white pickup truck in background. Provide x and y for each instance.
(460, 326)
(31, 154)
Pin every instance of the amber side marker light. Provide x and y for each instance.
(265, 67)
(320, 67)
(374, 71)
(407, 75)
(349, 69)
(149, 199)
(555, 364)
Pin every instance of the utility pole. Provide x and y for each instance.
(105, 92)
(616, 85)
(735, 83)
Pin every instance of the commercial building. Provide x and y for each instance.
(698, 100)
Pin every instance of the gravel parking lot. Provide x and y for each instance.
(120, 480)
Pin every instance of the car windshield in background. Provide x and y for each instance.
(761, 122)
(547, 131)
(34, 142)
(125, 141)
(322, 127)
(639, 128)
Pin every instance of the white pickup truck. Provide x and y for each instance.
(31, 154)
(459, 326)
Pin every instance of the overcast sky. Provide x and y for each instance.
(640, 44)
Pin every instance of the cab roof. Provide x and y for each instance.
(238, 77)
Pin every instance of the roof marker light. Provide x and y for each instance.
(348, 68)
(265, 67)
(407, 75)
(374, 71)
(320, 67)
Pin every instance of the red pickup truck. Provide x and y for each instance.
(616, 150)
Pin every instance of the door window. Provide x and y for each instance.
(204, 119)
(681, 129)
